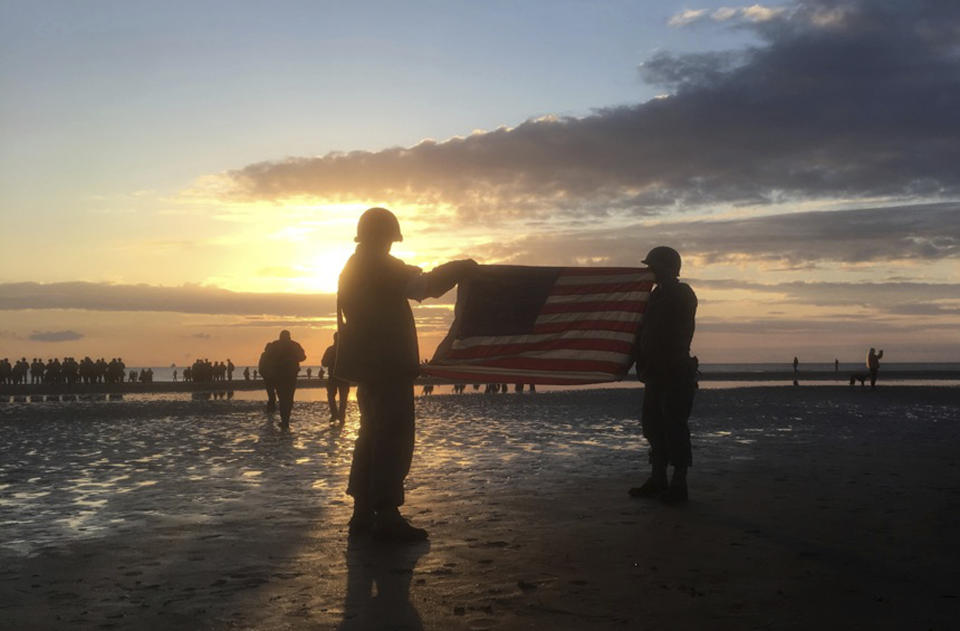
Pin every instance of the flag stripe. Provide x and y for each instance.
(613, 346)
(631, 296)
(630, 306)
(480, 374)
(629, 326)
(535, 363)
(564, 280)
(597, 316)
(575, 334)
(572, 290)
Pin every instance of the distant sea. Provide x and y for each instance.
(759, 370)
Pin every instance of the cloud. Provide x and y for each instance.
(752, 13)
(841, 99)
(921, 232)
(905, 298)
(55, 336)
(184, 299)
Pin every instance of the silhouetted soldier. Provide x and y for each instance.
(873, 365)
(335, 386)
(230, 369)
(669, 373)
(282, 363)
(377, 349)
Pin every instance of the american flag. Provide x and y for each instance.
(544, 325)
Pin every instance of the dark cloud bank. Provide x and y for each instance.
(188, 299)
(55, 336)
(921, 232)
(841, 99)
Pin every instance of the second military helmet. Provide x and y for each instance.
(664, 258)
(378, 224)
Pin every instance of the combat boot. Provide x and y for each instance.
(390, 525)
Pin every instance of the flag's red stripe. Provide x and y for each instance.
(601, 271)
(539, 379)
(585, 307)
(585, 325)
(532, 363)
(600, 288)
(543, 345)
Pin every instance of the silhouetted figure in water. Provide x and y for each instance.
(669, 373)
(268, 383)
(246, 373)
(335, 387)
(230, 369)
(873, 365)
(836, 366)
(796, 371)
(377, 349)
(282, 362)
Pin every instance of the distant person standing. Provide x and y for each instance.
(282, 363)
(836, 366)
(669, 375)
(377, 349)
(796, 371)
(873, 365)
(230, 369)
(335, 387)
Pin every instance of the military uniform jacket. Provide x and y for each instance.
(663, 345)
(378, 337)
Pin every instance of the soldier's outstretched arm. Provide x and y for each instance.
(440, 279)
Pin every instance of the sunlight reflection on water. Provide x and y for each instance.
(91, 468)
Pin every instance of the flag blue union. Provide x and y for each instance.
(544, 325)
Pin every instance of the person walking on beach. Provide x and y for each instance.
(265, 373)
(335, 386)
(377, 349)
(669, 375)
(873, 365)
(282, 363)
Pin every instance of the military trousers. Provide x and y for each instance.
(286, 387)
(666, 411)
(384, 448)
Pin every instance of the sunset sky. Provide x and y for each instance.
(183, 179)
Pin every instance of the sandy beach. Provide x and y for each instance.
(810, 507)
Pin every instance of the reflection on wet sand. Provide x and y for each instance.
(378, 585)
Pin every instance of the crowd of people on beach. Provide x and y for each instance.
(205, 371)
(69, 371)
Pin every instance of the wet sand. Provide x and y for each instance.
(810, 507)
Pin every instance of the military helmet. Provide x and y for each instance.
(378, 224)
(663, 258)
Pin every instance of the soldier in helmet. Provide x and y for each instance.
(282, 364)
(377, 349)
(669, 374)
(335, 387)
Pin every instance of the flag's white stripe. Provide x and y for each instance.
(576, 316)
(604, 279)
(636, 296)
(560, 353)
(497, 340)
(523, 372)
